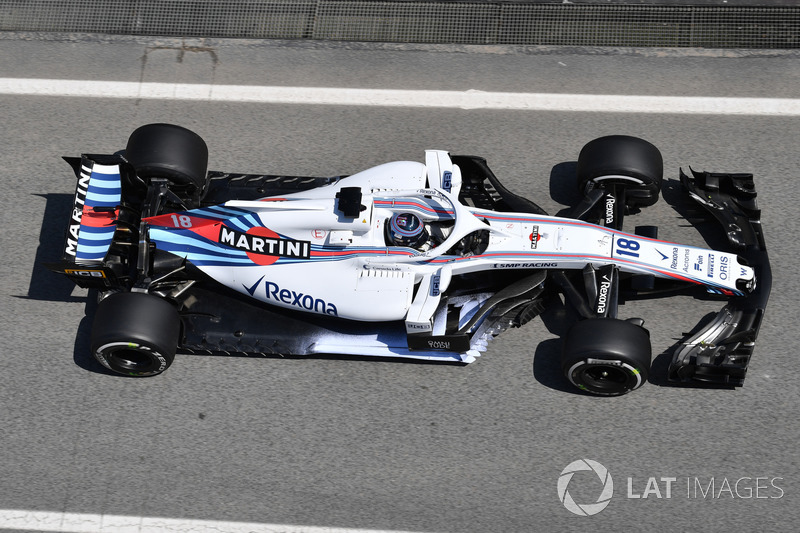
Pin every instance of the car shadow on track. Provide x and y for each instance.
(547, 367)
(557, 319)
(82, 350)
(44, 284)
(47, 286)
(563, 183)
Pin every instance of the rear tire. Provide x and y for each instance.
(171, 152)
(619, 159)
(135, 333)
(606, 356)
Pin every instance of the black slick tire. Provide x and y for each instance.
(171, 152)
(606, 356)
(632, 162)
(135, 334)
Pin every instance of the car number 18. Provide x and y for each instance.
(627, 247)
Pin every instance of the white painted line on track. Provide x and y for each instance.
(95, 523)
(470, 99)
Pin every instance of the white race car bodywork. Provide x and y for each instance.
(300, 252)
(425, 260)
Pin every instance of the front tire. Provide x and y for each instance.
(135, 334)
(631, 162)
(606, 356)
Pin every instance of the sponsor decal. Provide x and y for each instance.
(674, 264)
(524, 265)
(417, 328)
(664, 256)
(698, 265)
(435, 284)
(438, 345)
(535, 237)
(610, 201)
(602, 295)
(389, 268)
(723, 268)
(318, 234)
(447, 180)
(453, 343)
(264, 246)
(85, 273)
(77, 212)
(252, 288)
(686, 260)
(303, 301)
(433, 193)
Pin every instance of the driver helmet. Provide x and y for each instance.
(407, 229)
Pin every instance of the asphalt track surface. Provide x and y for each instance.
(382, 445)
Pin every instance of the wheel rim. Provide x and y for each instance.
(132, 360)
(605, 379)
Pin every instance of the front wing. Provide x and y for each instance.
(720, 350)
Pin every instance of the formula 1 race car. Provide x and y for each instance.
(405, 259)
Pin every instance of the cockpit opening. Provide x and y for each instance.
(474, 243)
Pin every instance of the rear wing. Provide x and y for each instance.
(93, 221)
